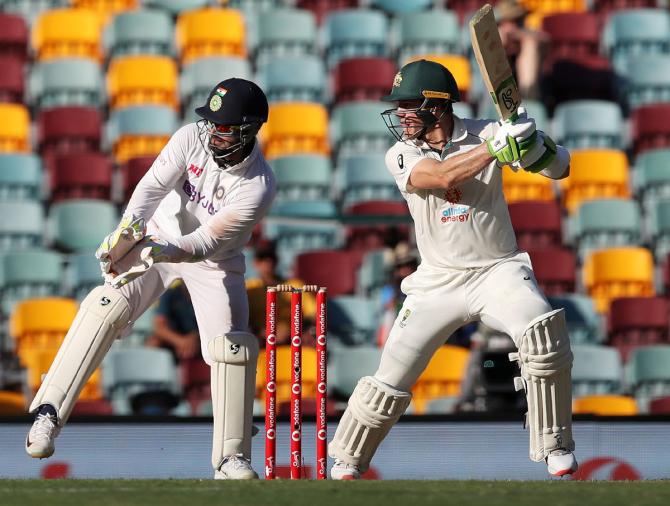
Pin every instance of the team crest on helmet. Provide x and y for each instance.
(397, 80)
(215, 103)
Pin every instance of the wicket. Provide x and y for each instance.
(296, 380)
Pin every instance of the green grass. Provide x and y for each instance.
(363, 493)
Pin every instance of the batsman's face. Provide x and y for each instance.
(410, 122)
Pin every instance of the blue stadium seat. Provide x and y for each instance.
(658, 222)
(648, 373)
(536, 110)
(81, 225)
(583, 124)
(30, 10)
(596, 370)
(401, 6)
(304, 209)
(353, 320)
(372, 274)
(647, 80)
(584, 323)
(357, 127)
(651, 176)
(284, 32)
(348, 364)
(22, 225)
(20, 176)
(429, 32)
(293, 79)
(176, 6)
(85, 274)
(353, 33)
(365, 177)
(145, 31)
(66, 82)
(303, 177)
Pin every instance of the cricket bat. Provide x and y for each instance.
(493, 63)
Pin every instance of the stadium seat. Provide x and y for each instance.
(650, 128)
(139, 131)
(339, 276)
(660, 406)
(199, 77)
(20, 176)
(302, 177)
(572, 34)
(458, 65)
(649, 373)
(348, 364)
(283, 135)
(537, 224)
(595, 174)
(618, 272)
(638, 321)
(12, 83)
(372, 274)
(596, 370)
(353, 320)
(651, 177)
(196, 382)
(26, 226)
(605, 405)
(429, 32)
(356, 79)
(13, 36)
(321, 8)
(85, 274)
(357, 127)
(174, 7)
(284, 32)
(81, 225)
(583, 124)
(635, 32)
(283, 371)
(521, 185)
(318, 209)
(605, 223)
(210, 32)
(353, 33)
(68, 33)
(28, 274)
(658, 228)
(584, 323)
(92, 407)
(106, 8)
(365, 177)
(647, 79)
(395, 7)
(535, 109)
(142, 80)
(132, 171)
(442, 377)
(372, 224)
(12, 403)
(146, 31)
(14, 128)
(299, 78)
(66, 82)
(81, 176)
(554, 270)
(62, 130)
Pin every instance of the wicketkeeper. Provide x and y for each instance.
(189, 218)
(448, 170)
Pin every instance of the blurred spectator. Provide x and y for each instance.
(265, 263)
(175, 326)
(523, 46)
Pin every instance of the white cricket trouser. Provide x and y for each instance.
(504, 296)
(219, 297)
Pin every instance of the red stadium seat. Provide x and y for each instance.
(572, 34)
(606, 6)
(465, 8)
(12, 82)
(638, 321)
(68, 130)
(133, 170)
(88, 407)
(659, 406)
(537, 224)
(362, 79)
(85, 175)
(650, 128)
(13, 36)
(555, 270)
(320, 8)
(333, 269)
(372, 232)
(195, 378)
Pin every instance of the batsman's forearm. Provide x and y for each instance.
(466, 166)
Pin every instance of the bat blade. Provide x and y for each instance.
(493, 63)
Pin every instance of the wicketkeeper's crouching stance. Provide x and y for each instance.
(189, 218)
(448, 170)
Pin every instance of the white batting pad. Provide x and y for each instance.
(545, 360)
(233, 389)
(101, 318)
(374, 407)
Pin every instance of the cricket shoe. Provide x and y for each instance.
(235, 467)
(343, 471)
(40, 440)
(561, 462)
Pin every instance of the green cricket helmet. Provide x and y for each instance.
(426, 81)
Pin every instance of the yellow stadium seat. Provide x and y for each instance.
(63, 33)
(522, 185)
(142, 80)
(12, 403)
(618, 272)
(458, 65)
(106, 8)
(607, 405)
(442, 377)
(284, 369)
(210, 32)
(595, 174)
(296, 128)
(14, 129)
(135, 146)
(38, 327)
(551, 6)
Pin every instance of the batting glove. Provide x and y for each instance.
(539, 156)
(512, 140)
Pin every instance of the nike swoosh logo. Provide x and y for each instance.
(28, 442)
(526, 278)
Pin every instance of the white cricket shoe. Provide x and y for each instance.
(561, 462)
(343, 471)
(235, 467)
(40, 440)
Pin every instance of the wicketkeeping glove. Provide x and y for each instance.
(139, 259)
(116, 245)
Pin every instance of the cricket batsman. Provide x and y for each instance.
(189, 218)
(448, 170)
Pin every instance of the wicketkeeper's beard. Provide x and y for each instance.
(226, 157)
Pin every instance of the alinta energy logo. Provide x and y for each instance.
(606, 468)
